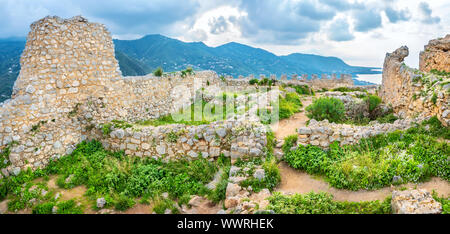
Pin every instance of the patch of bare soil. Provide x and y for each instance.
(288, 126)
(201, 205)
(295, 181)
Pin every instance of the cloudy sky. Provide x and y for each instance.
(360, 32)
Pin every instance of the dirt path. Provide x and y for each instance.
(295, 181)
(288, 126)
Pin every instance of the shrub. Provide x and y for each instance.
(272, 175)
(348, 89)
(390, 118)
(302, 89)
(323, 203)
(158, 72)
(434, 98)
(253, 81)
(124, 203)
(289, 105)
(373, 101)
(326, 108)
(264, 81)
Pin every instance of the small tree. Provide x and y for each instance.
(329, 108)
(158, 72)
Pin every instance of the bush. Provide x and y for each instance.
(347, 89)
(253, 81)
(390, 118)
(289, 142)
(264, 81)
(373, 101)
(323, 203)
(158, 72)
(302, 89)
(272, 174)
(373, 162)
(289, 105)
(326, 108)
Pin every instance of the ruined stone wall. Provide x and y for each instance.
(323, 133)
(64, 62)
(176, 141)
(436, 55)
(70, 84)
(412, 92)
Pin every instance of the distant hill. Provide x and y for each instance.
(229, 59)
(10, 51)
(142, 56)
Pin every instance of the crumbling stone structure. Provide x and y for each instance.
(70, 85)
(418, 93)
(436, 55)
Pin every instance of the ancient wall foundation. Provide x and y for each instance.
(323, 133)
(70, 81)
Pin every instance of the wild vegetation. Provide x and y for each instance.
(393, 158)
(122, 180)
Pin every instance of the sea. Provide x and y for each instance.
(373, 78)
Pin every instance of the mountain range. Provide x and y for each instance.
(144, 55)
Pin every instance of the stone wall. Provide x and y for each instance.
(436, 55)
(70, 81)
(323, 133)
(63, 64)
(411, 92)
(177, 141)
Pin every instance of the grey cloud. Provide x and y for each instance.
(218, 25)
(397, 15)
(121, 17)
(339, 31)
(290, 25)
(426, 12)
(367, 19)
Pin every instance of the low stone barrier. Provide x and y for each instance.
(177, 141)
(323, 133)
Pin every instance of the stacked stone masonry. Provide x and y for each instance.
(436, 55)
(323, 133)
(413, 92)
(70, 81)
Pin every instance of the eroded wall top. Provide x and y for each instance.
(436, 55)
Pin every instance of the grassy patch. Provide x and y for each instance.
(120, 179)
(323, 203)
(328, 108)
(410, 156)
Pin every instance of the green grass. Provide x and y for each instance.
(323, 203)
(119, 178)
(272, 175)
(197, 114)
(347, 89)
(415, 155)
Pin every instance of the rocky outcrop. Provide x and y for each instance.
(323, 133)
(70, 82)
(414, 202)
(436, 55)
(412, 92)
